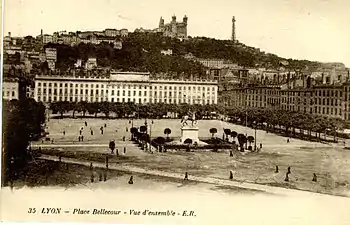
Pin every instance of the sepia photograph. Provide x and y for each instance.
(176, 112)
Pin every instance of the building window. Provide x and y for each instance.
(112, 92)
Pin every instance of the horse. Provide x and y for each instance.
(186, 118)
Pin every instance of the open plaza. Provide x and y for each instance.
(328, 161)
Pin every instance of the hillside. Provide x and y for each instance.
(141, 52)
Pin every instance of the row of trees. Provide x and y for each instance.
(271, 119)
(286, 121)
(150, 110)
(23, 122)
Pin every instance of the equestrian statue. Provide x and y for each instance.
(191, 117)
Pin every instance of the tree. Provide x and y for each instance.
(234, 135)
(22, 123)
(241, 140)
(227, 133)
(213, 131)
(112, 146)
(188, 141)
(167, 132)
(250, 140)
(133, 130)
(82, 107)
(106, 108)
(143, 129)
(160, 142)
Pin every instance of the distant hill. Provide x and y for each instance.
(142, 52)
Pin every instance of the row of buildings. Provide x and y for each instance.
(112, 36)
(305, 95)
(134, 87)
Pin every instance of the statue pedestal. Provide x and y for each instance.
(189, 132)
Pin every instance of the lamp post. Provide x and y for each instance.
(255, 136)
(150, 134)
(146, 132)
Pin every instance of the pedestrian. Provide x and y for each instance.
(260, 145)
(231, 175)
(105, 125)
(131, 180)
(287, 140)
(82, 138)
(289, 170)
(123, 138)
(117, 152)
(287, 177)
(92, 132)
(85, 123)
(105, 176)
(79, 138)
(124, 150)
(64, 132)
(92, 178)
(314, 179)
(126, 129)
(80, 132)
(186, 176)
(231, 153)
(276, 171)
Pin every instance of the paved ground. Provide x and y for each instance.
(330, 162)
(222, 182)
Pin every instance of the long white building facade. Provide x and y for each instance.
(134, 87)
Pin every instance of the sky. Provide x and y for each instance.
(317, 30)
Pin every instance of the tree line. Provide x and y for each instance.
(287, 121)
(130, 109)
(22, 122)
